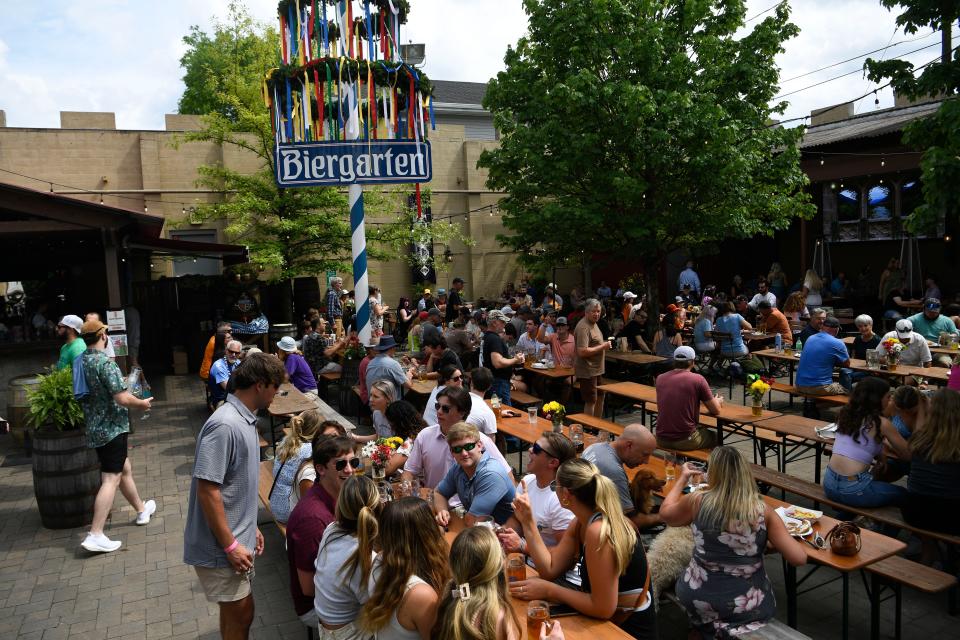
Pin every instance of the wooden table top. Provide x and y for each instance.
(423, 388)
(763, 337)
(796, 426)
(903, 370)
(729, 412)
(633, 357)
(556, 372)
(290, 401)
(874, 547)
(577, 627)
(774, 355)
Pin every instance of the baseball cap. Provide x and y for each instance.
(562, 320)
(831, 322)
(904, 328)
(629, 294)
(441, 291)
(426, 291)
(457, 280)
(525, 309)
(496, 314)
(672, 308)
(92, 326)
(423, 315)
(286, 343)
(684, 353)
(507, 310)
(72, 321)
(932, 304)
(433, 311)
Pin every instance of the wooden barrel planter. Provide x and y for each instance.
(66, 478)
(18, 409)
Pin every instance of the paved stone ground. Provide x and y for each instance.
(50, 588)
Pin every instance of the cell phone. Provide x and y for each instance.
(560, 610)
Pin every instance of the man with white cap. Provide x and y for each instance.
(628, 299)
(69, 329)
(679, 394)
(297, 368)
(915, 350)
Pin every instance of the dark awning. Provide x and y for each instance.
(229, 253)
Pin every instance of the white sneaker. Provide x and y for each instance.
(149, 508)
(99, 543)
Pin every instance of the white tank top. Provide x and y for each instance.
(393, 630)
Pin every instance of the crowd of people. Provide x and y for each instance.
(365, 562)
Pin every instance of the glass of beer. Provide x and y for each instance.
(696, 478)
(516, 569)
(670, 470)
(576, 436)
(538, 612)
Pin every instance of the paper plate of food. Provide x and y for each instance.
(798, 528)
(802, 513)
(539, 365)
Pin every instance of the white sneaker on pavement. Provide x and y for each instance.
(149, 508)
(99, 543)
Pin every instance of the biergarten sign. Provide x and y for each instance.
(337, 163)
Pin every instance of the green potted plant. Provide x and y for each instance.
(66, 473)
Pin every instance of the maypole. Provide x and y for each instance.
(344, 118)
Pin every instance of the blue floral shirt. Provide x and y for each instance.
(104, 417)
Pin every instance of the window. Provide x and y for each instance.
(848, 204)
(880, 202)
(188, 266)
(911, 196)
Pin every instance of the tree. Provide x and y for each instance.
(230, 62)
(289, 232)
(939, 135)
(635, 127)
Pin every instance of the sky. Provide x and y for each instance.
(123, 56)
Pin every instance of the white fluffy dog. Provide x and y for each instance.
(668, 556)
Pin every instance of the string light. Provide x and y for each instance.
(146, 209)
(883, 162)
(821, 159)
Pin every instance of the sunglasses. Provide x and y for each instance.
(537, 450)
(236, 353)
(445, 408)
(457, 378)
(342, 464)
(460, 448)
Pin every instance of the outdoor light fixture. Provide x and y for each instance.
(947, 238)
(413, 54)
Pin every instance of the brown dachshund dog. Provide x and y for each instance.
(642, 487)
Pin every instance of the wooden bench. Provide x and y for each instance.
(596, 423)
(701, 455)
(812, 491)
(263, 490)
(792, 391)
(522, 400)
(896, 571)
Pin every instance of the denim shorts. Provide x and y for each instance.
(863, 491)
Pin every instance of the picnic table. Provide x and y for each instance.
(578, 627)
(780, 356)
(796, 433)
(736, 418)
(938, 374)
(554, 373)
(756, 340)
(633, 357)
(288, 402)
(422, 387)
(934, 347)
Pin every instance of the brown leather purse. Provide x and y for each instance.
(844, 539)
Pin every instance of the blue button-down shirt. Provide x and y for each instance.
(489, 492)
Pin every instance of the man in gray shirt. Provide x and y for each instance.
(221, 527)
(632, 449)
(384, 367)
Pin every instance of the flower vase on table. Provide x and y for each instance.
(892, 347)
(554, 412)
(757, 387)
(378, 453)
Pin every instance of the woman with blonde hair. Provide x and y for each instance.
(812, 284)
(345, 560)
(615, 579)
(409, 573)
(933, 500)
(382, 395)
(475, 604)
(777, 280)
(725, 588)
(293, 472)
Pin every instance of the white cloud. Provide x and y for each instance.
(116, 55)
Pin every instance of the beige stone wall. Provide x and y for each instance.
(90, 154)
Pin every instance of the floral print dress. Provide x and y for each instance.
(725, 588)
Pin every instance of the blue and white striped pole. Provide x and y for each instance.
(358, 239)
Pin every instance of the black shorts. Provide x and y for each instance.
(113, 454)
